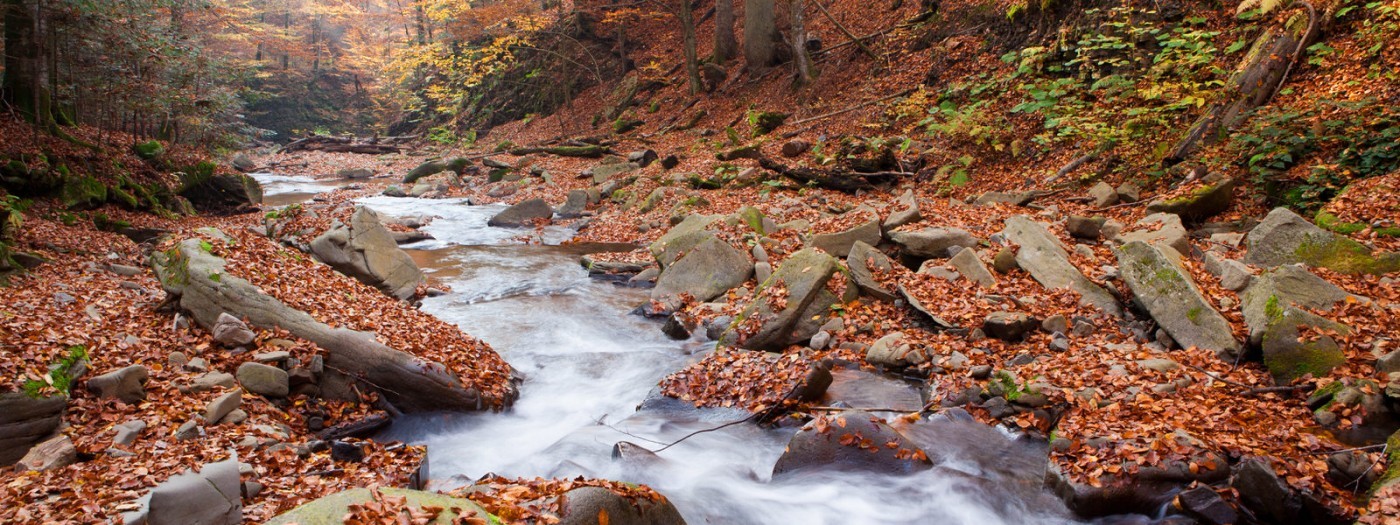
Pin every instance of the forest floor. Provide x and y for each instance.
(1117, 401)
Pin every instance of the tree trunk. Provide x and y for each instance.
(799, 45)
(27, 69)
(726, 45)
(760, 33)
(692, 60)
(1260, 75)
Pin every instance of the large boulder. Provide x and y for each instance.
(208, 189)
(331, 510)
(1285, 238)
(25, 421)
(681, 238)
(1202, 203)
(839, 243)
(201, 285)
(1045, 258)
(213, 496)
(1269, 294)
(1289, 354)
(862, 262)
(706, 271)
(366, 251)
(800, 298)
(933, 242)
(127, 384)
(522, 214)
(851, 441)
(600, 506)
(1167, 292)
(1262, 491)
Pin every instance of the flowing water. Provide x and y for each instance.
(588, 365)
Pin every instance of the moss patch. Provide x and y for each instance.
(83, 193)
(149, 150)
(1329, 221)
(1347, 256)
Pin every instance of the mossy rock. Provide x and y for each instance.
(331, 510)
(1289, 356)
(149, 150)
(711, 183)
(623, 125)
(196, 175)
(1329, 221)
(1200, 204)
(83, 193)
(764, 122)
(1391, 475)
(124, 198)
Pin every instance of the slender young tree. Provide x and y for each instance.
(27, 62)
(799, 45)
(692, 59)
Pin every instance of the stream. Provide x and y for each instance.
(588, 366)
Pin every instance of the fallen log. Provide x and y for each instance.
(590, 151)
(369, 146)
(844, 181)
(1260, 75)
(199, 284)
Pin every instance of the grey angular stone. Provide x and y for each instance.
(366, 251)
(231, 331)
(708, 270)
(804, 275)
(215, 411)
(1042, 255)
(1102, 195)
(894, 351)
(839, 243)
(1175, 302)
(1055, 323)
(329, 510)
(1009, 326)
(522, 214)
(1128, 192)
(1285, 238)
(971, 267)
(128, 432)
(574, 205)
(862, 262)
(1288, 356)
(1164, 229)
(681, 238)
(1284, 286)
(1085, 227)
(263, 379)
(213, 380)
(933, 242)
(127, 384)
(907, 212)
(1263, 492)
(1020, 198)
(211, 497)
(55, 453)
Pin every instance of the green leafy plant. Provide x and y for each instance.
(60, 374)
